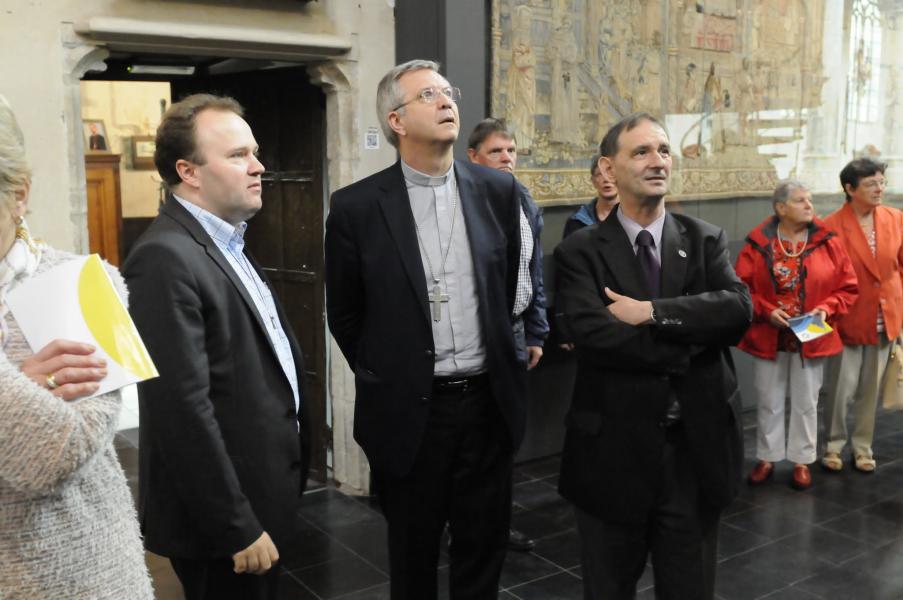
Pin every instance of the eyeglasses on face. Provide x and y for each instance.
(871, 184)
(431, 94)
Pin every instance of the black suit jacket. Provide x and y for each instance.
(221, 457)
(626, 374)
(376, 301)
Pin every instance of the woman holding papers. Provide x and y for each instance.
(793, 266)
(67, 522)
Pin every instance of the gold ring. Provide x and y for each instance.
(51, 382)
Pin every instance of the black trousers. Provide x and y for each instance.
(681, 534)
(462, 476)
(214, 579)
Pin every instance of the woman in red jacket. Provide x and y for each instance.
(793, 265)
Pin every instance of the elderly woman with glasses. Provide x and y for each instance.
(67, 522)
(793, 265)
(873, 236)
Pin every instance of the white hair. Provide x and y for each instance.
(14, 171)
(388, 94)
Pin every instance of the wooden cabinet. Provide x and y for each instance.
(104, 205)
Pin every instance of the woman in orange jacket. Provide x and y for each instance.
(793, 265)
(873, 237)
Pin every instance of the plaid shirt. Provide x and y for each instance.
(524, 281)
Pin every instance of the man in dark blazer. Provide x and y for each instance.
(421, 267)
(653, 449)
(223, 446)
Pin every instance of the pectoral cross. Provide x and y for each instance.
(437, 298)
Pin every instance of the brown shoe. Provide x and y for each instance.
(762, 471)
(802, 480)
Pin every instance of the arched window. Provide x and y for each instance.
(865, 61)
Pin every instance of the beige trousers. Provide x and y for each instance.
(854, 377)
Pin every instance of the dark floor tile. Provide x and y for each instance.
(769, 521)
(737, 506)
(882, 564)
(823, 543)
(792, 593)
(736, 581)
(339, 577)
(292, 589)
(847, 584)
(311, 547)
(810, 508)
(781, 564)
(378, 592)
(535, 494)
(540, 468)
(521, 567)
(647, 579)
(560, 586)
(367, 540)
(520, 477)
(890, 510)
(329, 509)
(562, 549)
(733, 541)
(541, 522)
(865, 528)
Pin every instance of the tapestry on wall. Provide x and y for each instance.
(732, 79)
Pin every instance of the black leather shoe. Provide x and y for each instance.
(519, 542)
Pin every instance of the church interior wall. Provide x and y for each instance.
(37, 71)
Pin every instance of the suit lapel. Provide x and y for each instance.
(175, 210)
(617, 253)
(675, 257)
(396, 209)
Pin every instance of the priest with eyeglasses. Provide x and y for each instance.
(421, 270)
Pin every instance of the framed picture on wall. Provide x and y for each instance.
(96, 140)
(143, 147)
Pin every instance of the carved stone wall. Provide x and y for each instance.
(734, 80)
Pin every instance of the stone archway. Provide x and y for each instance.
(336, 76)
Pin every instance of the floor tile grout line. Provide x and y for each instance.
(372, 587)
(523, 583)
(305, 586)
(343, 545)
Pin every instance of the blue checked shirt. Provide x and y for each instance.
(231, 242)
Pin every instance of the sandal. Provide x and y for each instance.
(865, 464)
(831, 461)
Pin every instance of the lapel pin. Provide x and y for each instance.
(682, 253)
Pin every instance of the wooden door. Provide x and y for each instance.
(104, 205)
(286, 113)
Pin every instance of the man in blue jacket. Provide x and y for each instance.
(492, 144)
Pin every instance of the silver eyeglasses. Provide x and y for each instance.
(430, 95)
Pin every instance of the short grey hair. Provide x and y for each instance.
(388, 94)
(783, 190)
(14, 171)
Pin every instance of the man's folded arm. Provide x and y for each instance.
(718, 316)
(598, 335)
